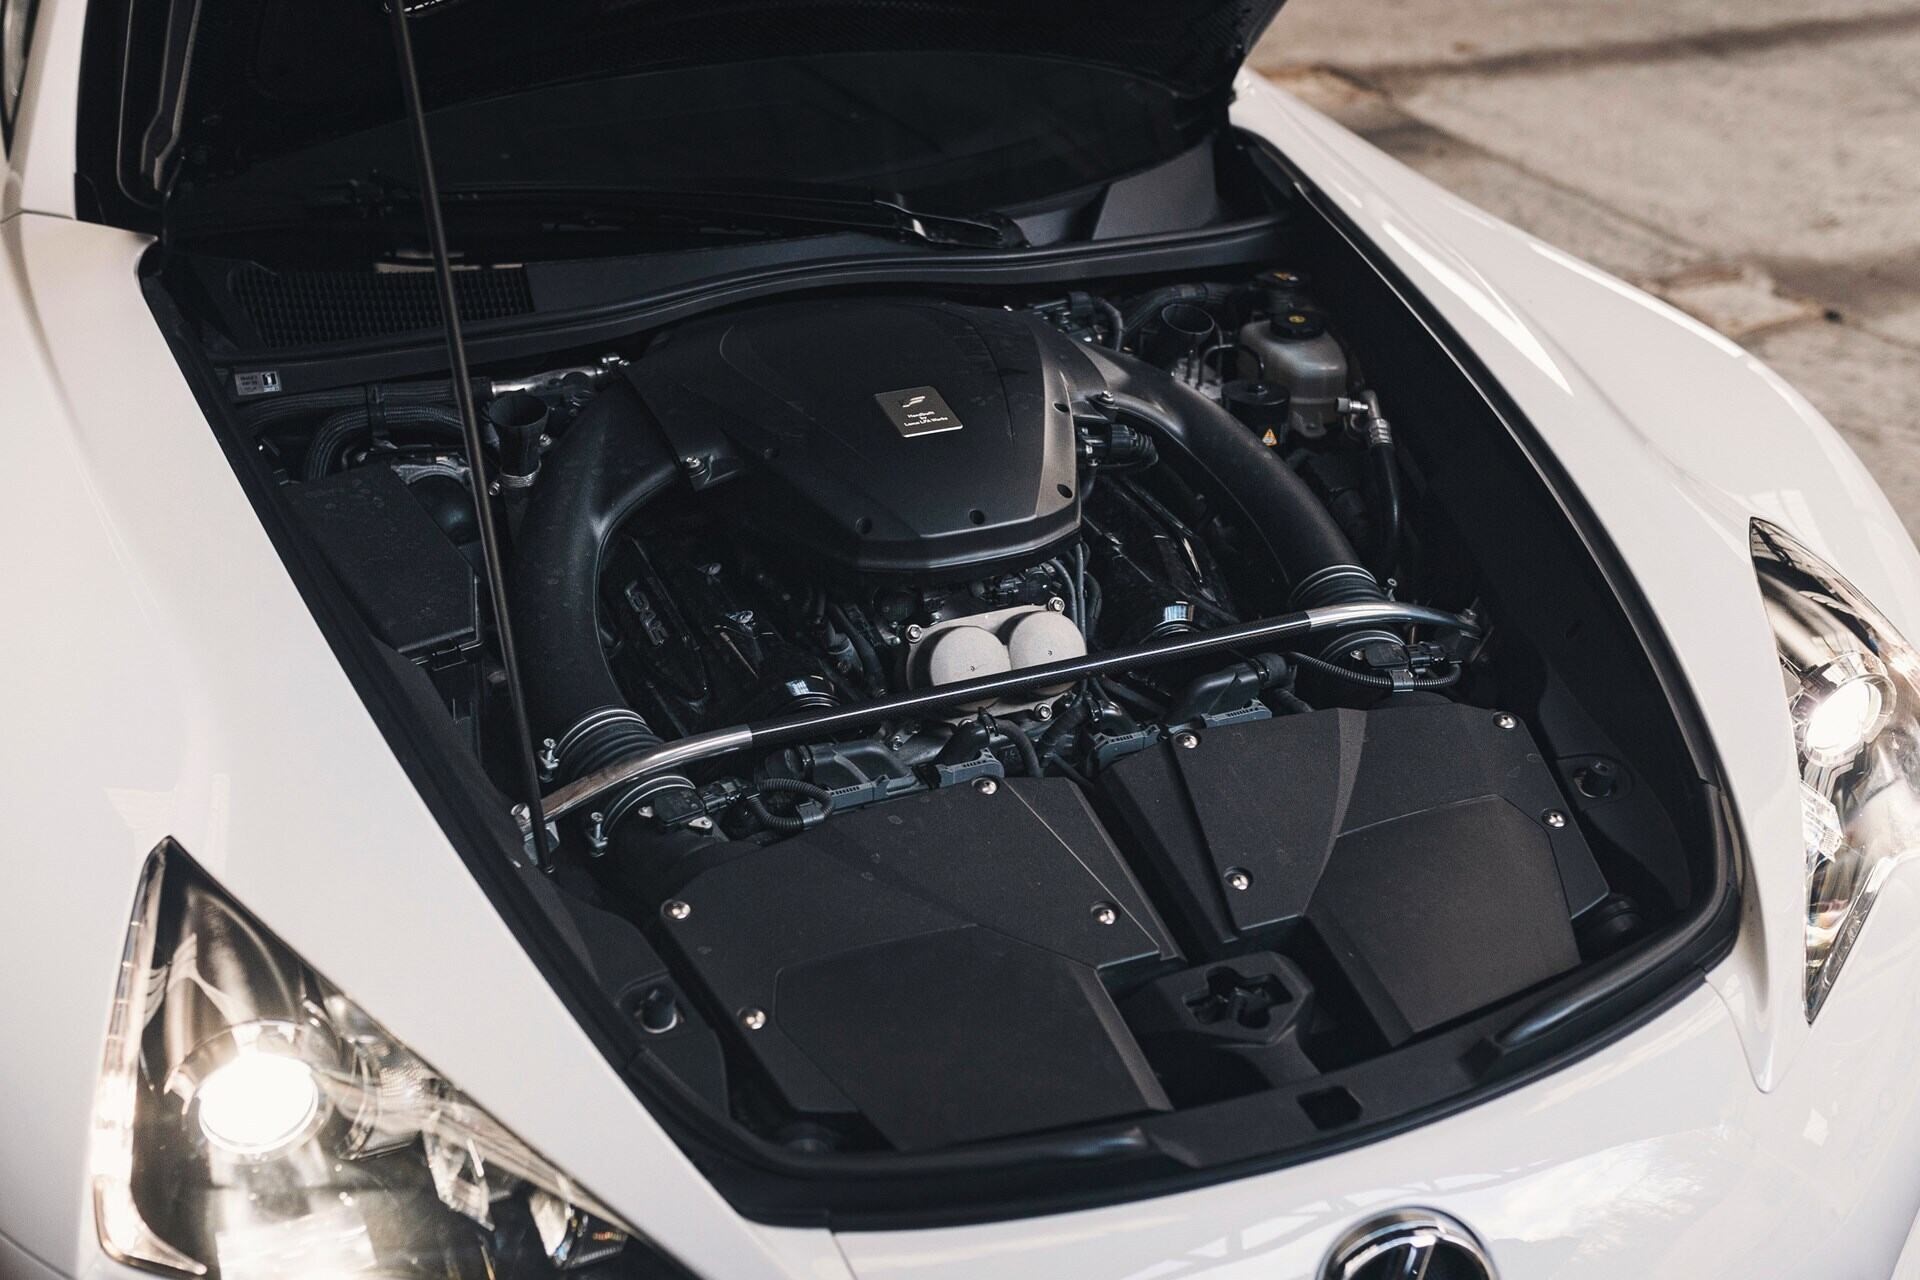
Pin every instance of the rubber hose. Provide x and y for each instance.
(263, 414)
(757, 805)
(1148, 305)
(1274, 503)
(1374, 679)
(611, 462)
(1023, 744)
(1387, 475)
(330, 442)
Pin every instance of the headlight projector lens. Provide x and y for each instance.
(258, 1103)
(1841, 707)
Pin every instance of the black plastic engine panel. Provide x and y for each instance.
(1417, 842)
(935, 964)
(890, 437)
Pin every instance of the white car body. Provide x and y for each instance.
(151, 629)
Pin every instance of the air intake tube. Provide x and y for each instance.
(1319, 564)
(611, 461)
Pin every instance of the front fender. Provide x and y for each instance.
(1675, 438)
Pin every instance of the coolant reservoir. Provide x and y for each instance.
(1294, 349)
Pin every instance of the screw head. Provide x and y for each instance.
(1044, 711)
(1239, 881)
(914, 632)
(1554, 818)
(753, 1019)
(985, 786)
(523, 813)
(1186, 741)
(1056, 605)
(1104, 914)
(675, 909)
(1506, 721)
(701, 823)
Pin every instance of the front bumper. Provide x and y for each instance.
(1658, 1156)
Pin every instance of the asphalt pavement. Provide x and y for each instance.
(1756, 163)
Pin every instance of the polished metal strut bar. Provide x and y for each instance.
(816, 724)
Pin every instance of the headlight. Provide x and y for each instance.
(1853, 690)
(252, 1122)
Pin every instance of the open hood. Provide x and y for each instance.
(885, 92)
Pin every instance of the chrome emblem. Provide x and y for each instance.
(1409, 1244)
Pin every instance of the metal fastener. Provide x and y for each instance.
(985, 786)
(701, 823)
(753, 1019)
(914, 632)
(1056, 605)
(1506, 721)
(549, 759)
(1554, 818)
(1044, 711)
(676, 909)
(1104, 914)
(1186, 741)
(597, 833)
(1239, 880)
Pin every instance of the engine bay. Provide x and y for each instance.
(1021, 716)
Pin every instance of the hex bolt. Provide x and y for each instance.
(1554, 818)
(1506, 721)
(1238, 880)
(1186, 741)
(1044, 711)
(675, 909)
(985, 786)
(1104, 914)
(753, 1019)
(597, 833)
(1056, 605)
(549, 759)
(914, 632)
(701, 823)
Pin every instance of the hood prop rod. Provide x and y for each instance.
(808, 725)
(533, 821)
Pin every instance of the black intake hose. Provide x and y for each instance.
(611, 461)
(1299, 533)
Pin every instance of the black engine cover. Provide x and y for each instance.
(883, 437)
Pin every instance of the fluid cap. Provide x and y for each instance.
(1298, 325)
